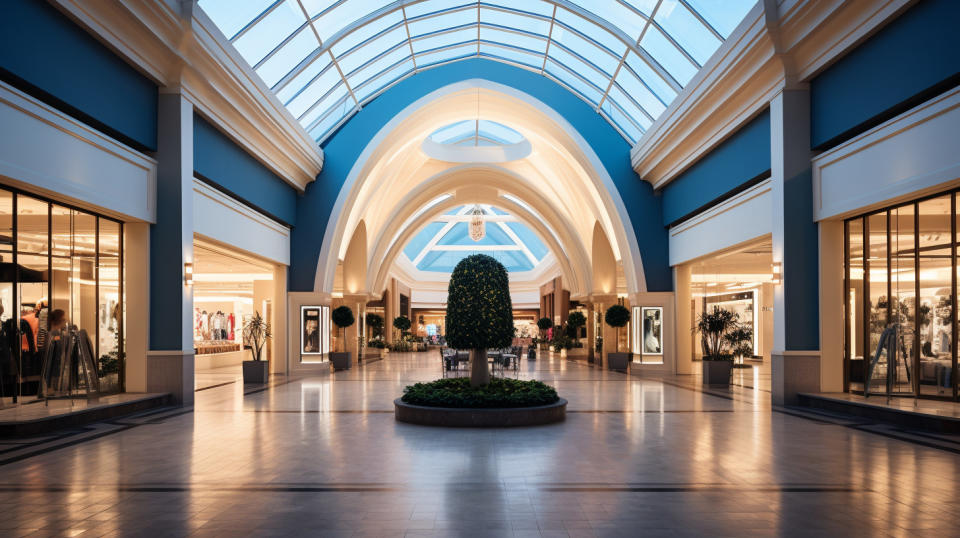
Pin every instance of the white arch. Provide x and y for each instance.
(570, 252)
(404, 132)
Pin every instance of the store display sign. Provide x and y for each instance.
(652, 324)
(314, 330)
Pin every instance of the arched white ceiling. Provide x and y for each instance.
(561, 183)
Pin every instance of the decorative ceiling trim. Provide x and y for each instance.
(178, 47)
(747, 71)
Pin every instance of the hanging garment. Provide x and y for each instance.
(33, 324)
(231, 322)
(205, 325)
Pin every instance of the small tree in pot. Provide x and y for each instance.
(617, 316)
(740, 340)
(342, 317)
(402, 324)
(256, 331)
(544, 324)
(575, 321)
(479, 312)
(714, 326)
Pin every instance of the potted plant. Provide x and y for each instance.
(713, 327)
(544, 324)
(479, 312)
(342, 317)
(375, 322)
(256, 331)
(617, 316)
(402, 324)
(575, 322)
(740, 340)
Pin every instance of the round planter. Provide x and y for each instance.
(480, 418)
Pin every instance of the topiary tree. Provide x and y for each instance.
(576, 319)
(375, 322)
(617, 316)
(544, 324)
(401, 323)
(479, 312)
(342, 317)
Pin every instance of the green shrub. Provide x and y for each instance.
(499, 393)
(617, 316)
(342, 317)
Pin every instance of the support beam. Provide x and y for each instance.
(170, 359)
(796, 338)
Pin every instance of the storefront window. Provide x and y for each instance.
(49, 292)
(909, 280)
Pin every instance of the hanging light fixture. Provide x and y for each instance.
(477, 228)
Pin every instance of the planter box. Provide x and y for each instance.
(618, 361)
(717, 372)
(577, 353)
(256, 372)
(480, 418)
(340, 361)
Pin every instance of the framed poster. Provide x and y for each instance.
(652, 324)
(314, 330)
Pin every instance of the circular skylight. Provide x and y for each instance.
(441, 244)
(472, 141)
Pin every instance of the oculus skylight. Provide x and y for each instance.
(441, 244)
(325, 59)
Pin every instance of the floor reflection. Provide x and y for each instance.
(323, 455)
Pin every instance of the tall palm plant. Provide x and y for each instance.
(713, 327)
(257, 331)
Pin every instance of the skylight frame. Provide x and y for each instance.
(592, 86)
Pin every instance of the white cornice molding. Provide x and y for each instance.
(746, 72)
(178, 46)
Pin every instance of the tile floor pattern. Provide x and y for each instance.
(323, 456)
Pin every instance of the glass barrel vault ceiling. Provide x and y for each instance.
(441, 244)
(627, 58)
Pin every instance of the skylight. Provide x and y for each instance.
(444, 242)
(325, 59)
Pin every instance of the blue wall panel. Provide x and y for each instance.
(44, 53)
(228, 167)
(911, 59)
(344, 147)
(744, 156)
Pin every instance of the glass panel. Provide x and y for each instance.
(367, 32)
(393, 41)
(686, 30)
(432, 6)
(533, 25)
(587, 91)
(383, 63)
(83, 298)
(642, 70)
(8, 312)
(616, 14)
(432, 58)
(336, 19)
(324, 86)
(32, 275)
(265, 35)
(904, 303)
(853, 328)
(512, 55)
(668, 56)
(324, 106)
(640, 93)
(285, 59)
(879, 293)
(442, 22)
(423, 44)
(599, 58)
(302, 79)
(569, 21)
(334, 115)
(384, 79)
(534, 44)
(936, 297)
(231, 16)
(620, 118)
(722, 16)
(109, 307)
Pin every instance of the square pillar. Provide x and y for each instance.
(796, 334)
(170, 357)
(591, 333)
(684, 319)
(358, 304)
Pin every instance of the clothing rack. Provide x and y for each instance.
(68, 364)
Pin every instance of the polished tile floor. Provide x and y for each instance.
(323, 456)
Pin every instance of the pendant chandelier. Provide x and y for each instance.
(477, 228)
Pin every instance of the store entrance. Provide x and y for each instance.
(229, 287)
(740, 281)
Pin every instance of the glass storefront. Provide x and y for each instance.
(61, 301)
(901, 288)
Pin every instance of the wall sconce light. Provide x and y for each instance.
(188, 274)
(777, 269)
